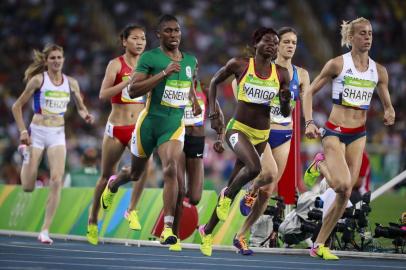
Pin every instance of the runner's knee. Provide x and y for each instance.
(55, 183)
(268, 176)
(343, 188)
(169, 170)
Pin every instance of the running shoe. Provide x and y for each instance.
(312, 173)
(133, 220)
(176, 247)
(241, 244)
(223, 206)
(167, 237)
(106, 199)
(44, 238)
(322, 252)
(206, 246)
(92, 234)
(246, 203)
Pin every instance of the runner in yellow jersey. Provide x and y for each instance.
(259, 82)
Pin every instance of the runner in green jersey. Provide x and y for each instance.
(166, 75)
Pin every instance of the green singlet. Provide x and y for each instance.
(162, 118)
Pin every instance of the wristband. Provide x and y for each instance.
(163, 71)
(308, 122)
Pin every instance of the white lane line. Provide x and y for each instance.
(234, 266)
(126, 259)
(189, 246)
(85, 264)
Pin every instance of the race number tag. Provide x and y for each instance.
(259, 91)
(55, 102)
(176, 93)
(190, 119)
(357, 93)
(125, 97)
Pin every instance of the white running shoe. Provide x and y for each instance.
(43, 237)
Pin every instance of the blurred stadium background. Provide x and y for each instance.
(212, 30)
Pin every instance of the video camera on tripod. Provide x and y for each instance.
(394, 231)
(354, 220)
(276, 212)
(266, 228)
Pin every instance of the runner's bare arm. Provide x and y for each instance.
(80, 105)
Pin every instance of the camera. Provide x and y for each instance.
(394, 231)
(277, 214)
(354, 220)
(315, 214)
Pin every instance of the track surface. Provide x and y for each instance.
(27, 253)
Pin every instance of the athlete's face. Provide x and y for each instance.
(136, 41)
(287, 45)
(54, 61)
(170, 34)
(268, 45)
(362, 37)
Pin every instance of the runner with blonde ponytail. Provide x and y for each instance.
(354, 77)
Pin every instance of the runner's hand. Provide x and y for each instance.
(312, 131)
(217, 125)
(389, 117)
(218, 146)
(173, 67)
(89, 118)
(25, 138)
(285, 95)
(197, 110)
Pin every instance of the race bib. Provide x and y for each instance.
(259, 91)
(357, 93)
(276, 114)
(125, 97)
(55, 102)
(190, 119)
(176, 93)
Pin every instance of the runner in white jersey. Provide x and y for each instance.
(51, 90)
(354, 77)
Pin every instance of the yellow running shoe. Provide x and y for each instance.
(167, 237)
(322, 252)
(312, 173)
(206, 246)
(223, 206)
(92, 234)
(176, 247)
(133, 220)
(106, 199)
